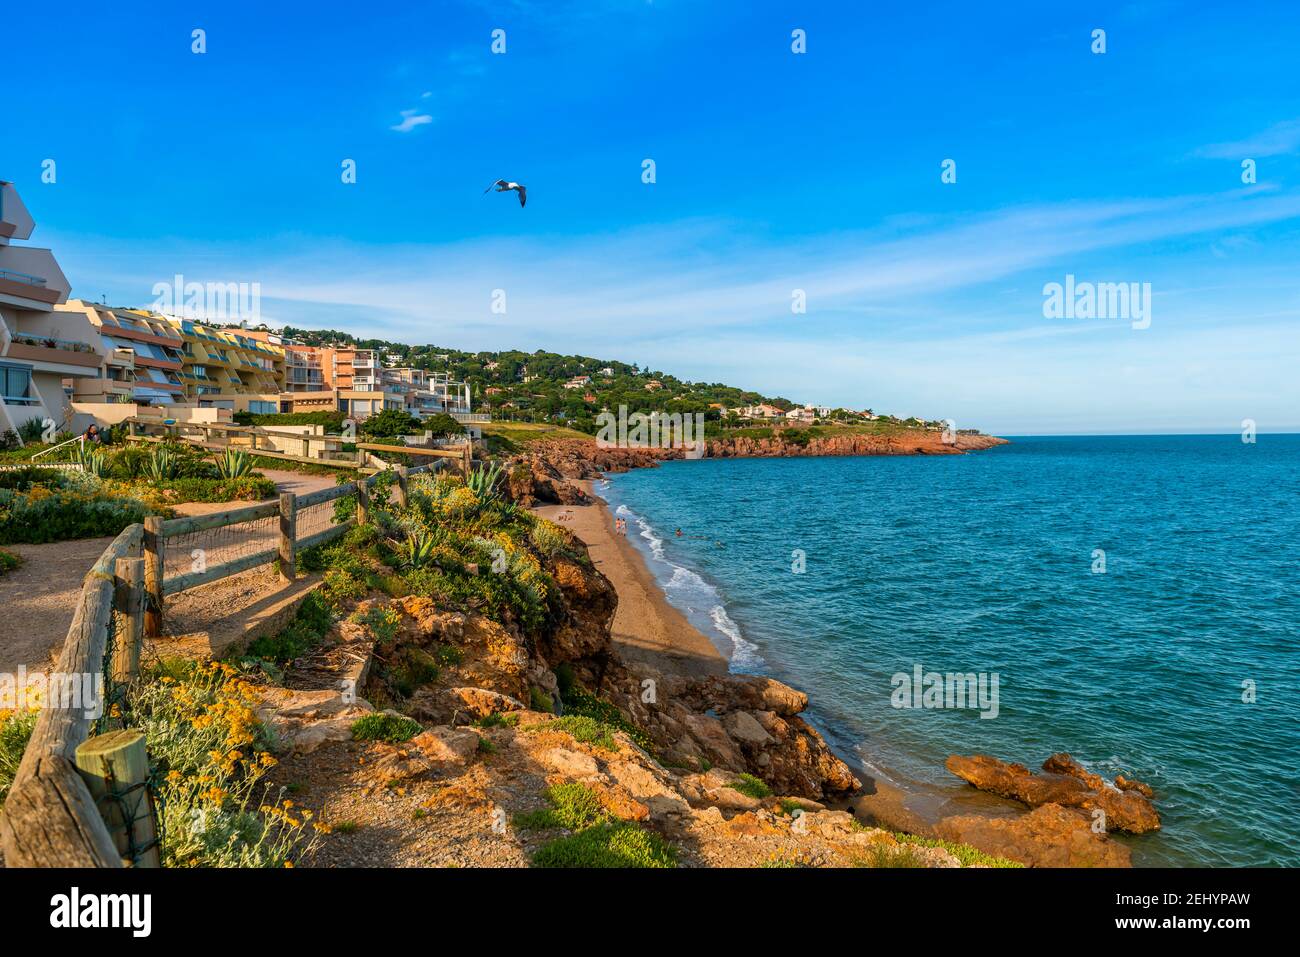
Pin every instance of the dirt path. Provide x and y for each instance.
(37, 599)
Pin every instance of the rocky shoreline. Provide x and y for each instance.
(730, 723)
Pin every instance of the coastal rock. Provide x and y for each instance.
(590, 602)
(745, 729)
(445, 705)
(572, 763)
(447, 745)
(1065, 783)
(1048, 836)
(1128, 784)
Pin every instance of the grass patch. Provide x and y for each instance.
(573, 806)
(751, 786)
(579, 702)
(608, 845)
(582, 729)
(884, 856)
(969, 856)
(391, 728)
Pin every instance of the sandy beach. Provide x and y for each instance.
(646, 627)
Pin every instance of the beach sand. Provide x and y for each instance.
(646, 628)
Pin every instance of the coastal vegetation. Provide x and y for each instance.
(8, 562)
(210, 755)
(118, 486)
(15, 731)
(570, 391)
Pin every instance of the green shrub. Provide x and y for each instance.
(391, 728)
(211, 753)
(250, 488)
(15, 732)
(413, 667)
(162, 465)
(314, 619)
(618, 844)
(540, 700)
(751, 786)
(20, 480)
(333, 421)
(498, 720)
(234, 464)
(389, 424)
(552, 540)
(579, 702)
(51, 515)
(8, 561)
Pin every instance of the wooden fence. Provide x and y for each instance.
(81, 801)
(216, 436)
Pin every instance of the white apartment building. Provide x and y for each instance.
(39, 347)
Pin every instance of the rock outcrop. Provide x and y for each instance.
(1048, 836)
(1065, 783)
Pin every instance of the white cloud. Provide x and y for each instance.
(410, 120)
(1274, 141)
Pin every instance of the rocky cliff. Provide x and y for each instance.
(539, 475)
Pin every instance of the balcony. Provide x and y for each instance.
(50, 351)
(26, 286)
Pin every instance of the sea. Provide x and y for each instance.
(1135, 597)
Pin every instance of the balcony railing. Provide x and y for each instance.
(23, 277)
(49, 342)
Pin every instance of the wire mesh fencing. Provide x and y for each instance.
(193, 553)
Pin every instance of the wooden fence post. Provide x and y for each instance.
(129, 602)
(153, 576)
(115, 767)
(399, 496)
(288, 535)
(363, 502)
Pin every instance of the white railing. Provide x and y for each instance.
(54, 448)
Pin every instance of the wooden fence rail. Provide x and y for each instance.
(51, 817)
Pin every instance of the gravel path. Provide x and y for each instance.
(37, 599)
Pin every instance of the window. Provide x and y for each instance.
(16, 383)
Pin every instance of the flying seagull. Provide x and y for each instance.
(503, 185)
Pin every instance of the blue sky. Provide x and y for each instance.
(775, 172)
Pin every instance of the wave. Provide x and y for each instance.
(695, 595)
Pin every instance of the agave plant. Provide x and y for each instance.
(234, 463)
(482, 481)
(416, 549)
(92, 461)
(161, 466)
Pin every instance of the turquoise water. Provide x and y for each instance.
(985, 563)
